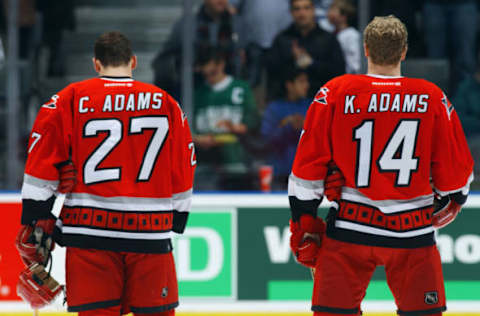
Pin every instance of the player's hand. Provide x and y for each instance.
(334, 181)
(68, 177)
(306, 239)
(445, 211)
(34, 242)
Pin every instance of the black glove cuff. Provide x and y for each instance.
(179, 221)
(458, 197)
(33, 210)
(299, 207)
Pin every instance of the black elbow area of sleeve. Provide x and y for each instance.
(458, 197)
(179, 221)
(299, 207)
(33, 210)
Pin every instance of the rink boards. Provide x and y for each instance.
(235, 254)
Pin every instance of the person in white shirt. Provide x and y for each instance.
(340, 14)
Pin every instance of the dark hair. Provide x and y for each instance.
(113, 49)
(208, 54)
(293, 1)
(290, 74)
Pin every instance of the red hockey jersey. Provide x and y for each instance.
(131, 145)
(395, 139)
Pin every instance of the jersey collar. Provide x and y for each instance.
(119, 79)
(384, 77)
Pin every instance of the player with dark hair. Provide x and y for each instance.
(134, 158)
(397, 141)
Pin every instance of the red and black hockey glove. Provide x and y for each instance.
(446, 209)
(37, 287)
(67, 177)
(306, 239)
(334, 181)
(34, 242)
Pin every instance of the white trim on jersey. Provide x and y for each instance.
(114, 234)
(182, 202)
(34, 188)
(305, 189)
(388, 206)
(121, 203)
(384, 77)
(382, 232)
(465, 189)
(117, 79)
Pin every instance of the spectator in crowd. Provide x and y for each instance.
(303, 44)
(224, 114)
(450, 29)
(260, 22)
(467, 104)
(212, 26)
(340, 14)
(321, 14)
(58, 16)
(282, 124)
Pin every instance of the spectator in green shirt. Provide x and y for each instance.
(224, 115)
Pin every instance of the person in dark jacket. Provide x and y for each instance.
(306, 46)
(283, 122)
(212, 27)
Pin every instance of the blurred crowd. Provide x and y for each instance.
(258, 65)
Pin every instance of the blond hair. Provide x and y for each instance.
(386, 39)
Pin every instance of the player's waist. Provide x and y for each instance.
(365, 224)
(134, 231)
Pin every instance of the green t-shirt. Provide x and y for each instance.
(231, 100)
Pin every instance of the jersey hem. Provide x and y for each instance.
(92, 306)
(113, 244)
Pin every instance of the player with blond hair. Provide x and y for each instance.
(398, 143)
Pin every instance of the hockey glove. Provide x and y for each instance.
(68, 177)
(334, 181)
(445, 210)
(306, 239)
(37, 287)
(34, 242)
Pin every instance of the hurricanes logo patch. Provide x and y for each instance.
(449, 109)
(321, 96)
(431, 298)
(52, 104)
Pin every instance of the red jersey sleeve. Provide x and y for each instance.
(452, 162)
(48, 146)
(183, 165)
(314, 151)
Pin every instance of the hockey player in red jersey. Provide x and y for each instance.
(397, 141)
(134, 157)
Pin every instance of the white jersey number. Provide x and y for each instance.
(397, 156)
(114, 129)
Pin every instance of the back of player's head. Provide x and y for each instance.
(386, 39)
(113, 49)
